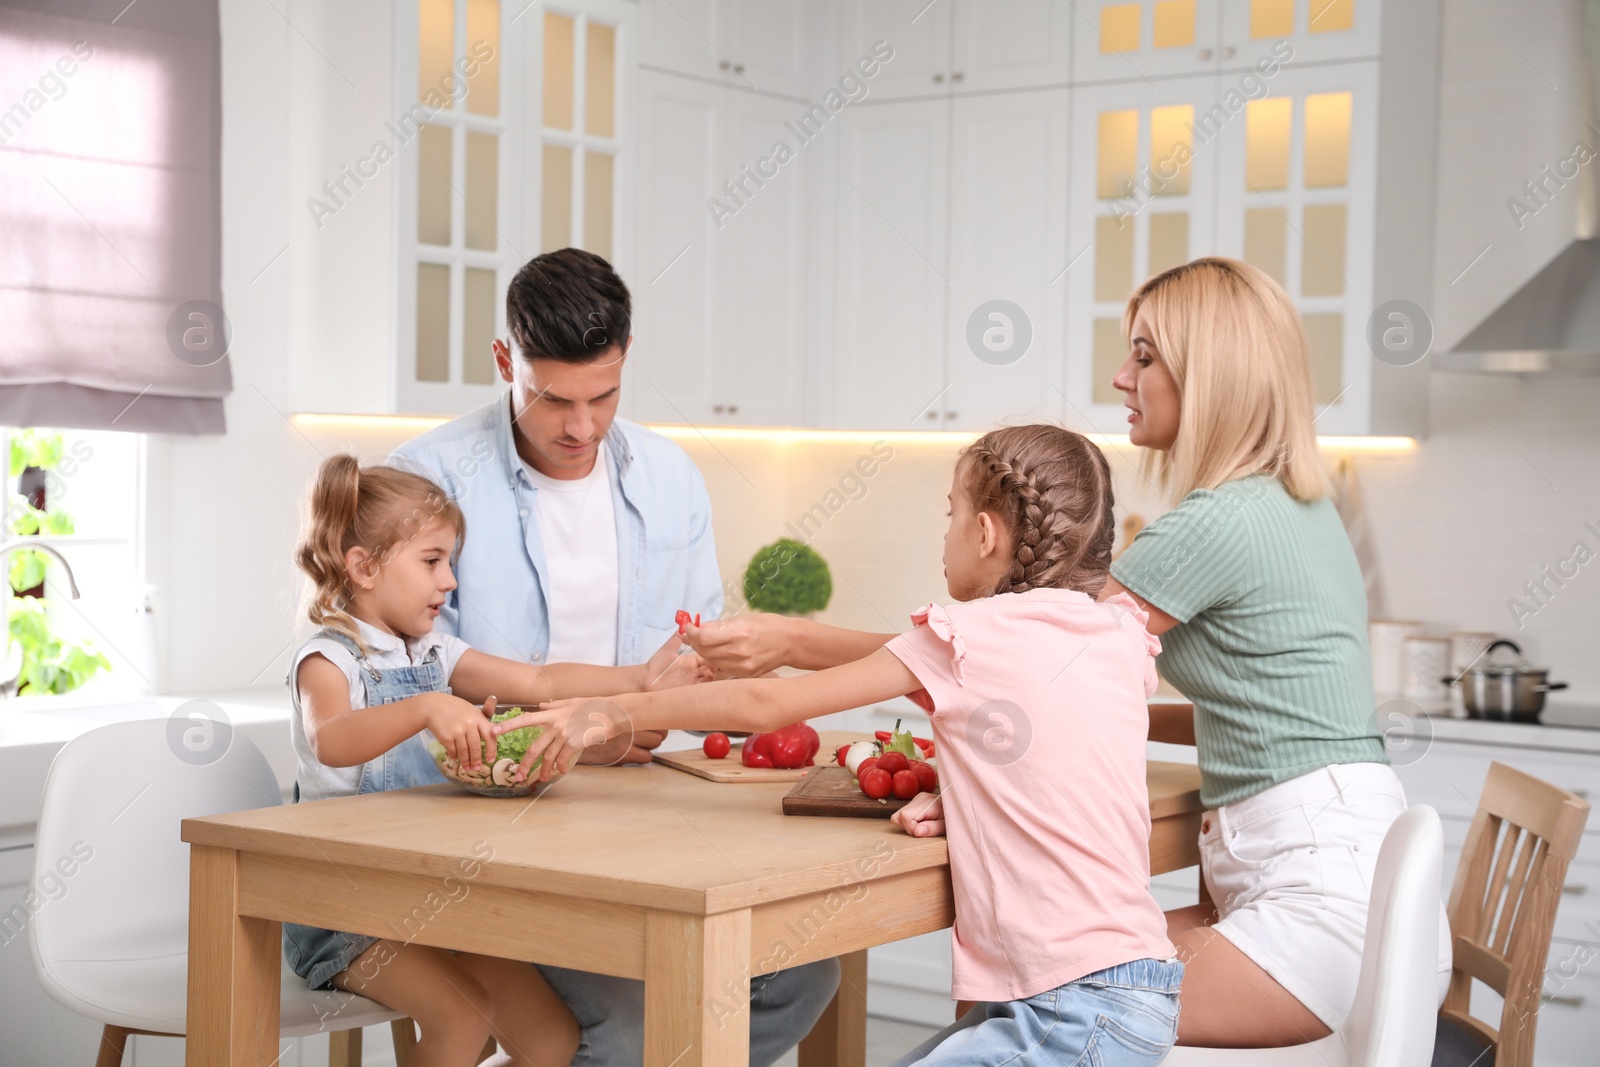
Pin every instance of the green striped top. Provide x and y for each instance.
(1271, 641)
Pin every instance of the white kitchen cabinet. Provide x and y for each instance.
(1296, 196)
(1446, 768)
(919, 33)
(1009, 44)
(1320, 31)
(891, 272)
(38, 1029)
(1286, 181)
(1143, 198)
(958, 46)
(762, 45)
(720, 318)
(1121, 41)
(1115, 41)
(1008, 241)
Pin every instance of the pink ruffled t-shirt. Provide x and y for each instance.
(1040, 715)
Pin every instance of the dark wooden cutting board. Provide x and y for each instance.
(833, 791)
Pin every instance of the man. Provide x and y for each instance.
(585, 535)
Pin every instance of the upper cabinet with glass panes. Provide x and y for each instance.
(1145, 39)
(520, 153)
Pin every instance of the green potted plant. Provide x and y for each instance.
(788, 578)
(48, 664)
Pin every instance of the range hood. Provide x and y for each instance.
(1552, 324)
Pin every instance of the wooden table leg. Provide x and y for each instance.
(840, 1037)
(697, 990)
(233, 969)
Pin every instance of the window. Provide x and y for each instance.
(78, 491)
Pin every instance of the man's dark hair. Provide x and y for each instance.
(568, 305)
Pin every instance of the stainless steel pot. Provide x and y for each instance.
(1511, 691)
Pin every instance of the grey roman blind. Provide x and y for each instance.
(110, 216)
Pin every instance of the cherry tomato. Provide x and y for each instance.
(843, 751)
(927, 777)
(905, 784)
(876, 783)
(865, 766)
(716, 746)
(894, 761)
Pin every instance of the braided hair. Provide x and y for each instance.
(1051, 488)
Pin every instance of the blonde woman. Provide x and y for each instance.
(1254, 590)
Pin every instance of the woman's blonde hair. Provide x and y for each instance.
(1051, 488)
(375, 508)
(1237, 353)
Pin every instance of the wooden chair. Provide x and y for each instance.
(1503, 907)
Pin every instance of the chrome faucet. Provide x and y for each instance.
(8, 684)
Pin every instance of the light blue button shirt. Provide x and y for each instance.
(666, 558)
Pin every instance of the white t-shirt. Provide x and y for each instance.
(578, 524)
(384, 650)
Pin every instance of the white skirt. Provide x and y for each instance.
(1290, 871)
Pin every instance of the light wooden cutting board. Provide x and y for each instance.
(731, 769)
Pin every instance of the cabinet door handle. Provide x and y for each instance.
(1205, 53)
(958, 76)
(938, 79)
(716, 409)
(733, 409)
(1565, 1002)
(738, 68)
(949, 415)
(1227, 51)
(933, 416)
(1574, 889)
(724, 65)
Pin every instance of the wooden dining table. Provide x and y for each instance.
(642, 872)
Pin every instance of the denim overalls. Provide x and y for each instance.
(316, 954)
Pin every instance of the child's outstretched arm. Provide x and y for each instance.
(750, 645)
(757, 704)
(478, 676)
(342, 736)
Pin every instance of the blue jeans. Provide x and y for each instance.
(1123, 1016)
(610, 1012)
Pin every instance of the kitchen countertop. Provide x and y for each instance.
(1442, 720)
(33, 730)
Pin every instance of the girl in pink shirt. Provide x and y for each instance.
(1037, 694)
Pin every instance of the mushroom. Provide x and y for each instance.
(501, 773)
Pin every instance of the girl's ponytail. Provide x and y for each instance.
(330, 530)
(376, 508)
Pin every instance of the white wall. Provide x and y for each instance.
(1501, 488)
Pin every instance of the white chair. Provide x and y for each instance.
(111, 936)
(1392, 1021)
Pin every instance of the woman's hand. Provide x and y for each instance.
(672, 666)
(461, 728)
(569, 728)
(922, 817)
(746, 646)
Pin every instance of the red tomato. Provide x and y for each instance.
(894, 761)
(927, 777)
(865, 766)
(905, 784)
(876, 783)
(843, 749)
(716, 746)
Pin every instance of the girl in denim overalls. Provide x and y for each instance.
(364, 687)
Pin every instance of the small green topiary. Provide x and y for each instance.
(789, 578)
